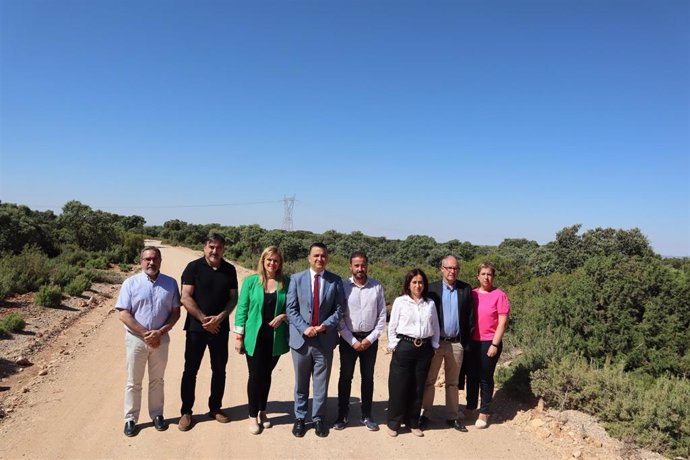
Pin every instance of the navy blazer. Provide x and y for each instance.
(298, 307)
(465, 307)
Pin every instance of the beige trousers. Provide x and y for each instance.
(450, 355)
(138, 356)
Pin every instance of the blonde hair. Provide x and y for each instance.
(271, 250)
(488, 265)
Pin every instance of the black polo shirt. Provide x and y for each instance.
(211, 290)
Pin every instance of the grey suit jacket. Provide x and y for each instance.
(298, 307)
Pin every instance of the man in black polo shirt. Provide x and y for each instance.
(209, 294)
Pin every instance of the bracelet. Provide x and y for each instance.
(493, 344)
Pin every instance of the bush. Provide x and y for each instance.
(99, 263)
(73, 255)
(125, 268)
(654, 412)
(78, 285)
(49, 296)
(13, 322)
(23, 272)
(63, 274)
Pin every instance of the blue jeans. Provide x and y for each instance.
(480, 375)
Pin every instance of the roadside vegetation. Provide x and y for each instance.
(599, 322)
(50, 255)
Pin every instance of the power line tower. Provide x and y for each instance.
(289, 203)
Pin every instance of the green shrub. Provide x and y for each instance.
(23, 272)
(13, 322)
(78, 285)
(105, 276)
(73, 255)
(63, 274)
(49, 296)
(91, 275)
(654, 412)
(124, 267)
(99, 263)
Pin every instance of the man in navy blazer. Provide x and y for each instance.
(314, 306)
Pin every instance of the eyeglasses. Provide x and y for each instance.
(451, 269)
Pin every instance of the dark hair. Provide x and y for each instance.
(359, 254)
(320, 246)
(408, 279)
(214, 237)
(151, 248)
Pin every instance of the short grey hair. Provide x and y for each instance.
(152, 248)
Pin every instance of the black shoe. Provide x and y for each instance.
(130, 428)
(321, 429)
(298, 429)
(370, 424)
(457, 424)
(340, 423)
(423, 422)
(159, 423)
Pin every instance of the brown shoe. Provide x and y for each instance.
(218, 416)
(185, 423)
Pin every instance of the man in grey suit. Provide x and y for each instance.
(314, 306)
(455, 309)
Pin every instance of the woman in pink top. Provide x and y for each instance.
(491, 317)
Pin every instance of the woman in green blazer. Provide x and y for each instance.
(261, 331)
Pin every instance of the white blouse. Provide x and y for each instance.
(417, 320)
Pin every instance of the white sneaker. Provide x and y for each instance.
(264, 420)
(254, 427)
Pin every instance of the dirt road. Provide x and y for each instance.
(75, 411)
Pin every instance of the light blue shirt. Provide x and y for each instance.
(449, 304)
(150, 303)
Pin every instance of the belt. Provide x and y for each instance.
(361, 335)
(455, 339)
(416, 341)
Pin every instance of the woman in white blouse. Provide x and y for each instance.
(413, 335)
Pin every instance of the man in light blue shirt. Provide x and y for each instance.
(149, 306)
(454, 305)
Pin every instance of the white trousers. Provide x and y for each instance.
(138, 355)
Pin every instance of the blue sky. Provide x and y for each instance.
(469, 120)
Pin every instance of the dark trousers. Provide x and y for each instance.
(367, 362)
(260, 367)
(195, 346)
(406, 378)
(480, 376)
(462, 379)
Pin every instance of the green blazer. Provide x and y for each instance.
(248, 315)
